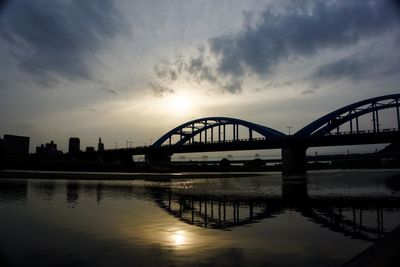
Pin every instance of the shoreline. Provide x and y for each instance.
(155, 176)
(66, 175)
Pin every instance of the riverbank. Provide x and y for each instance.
(29, 174)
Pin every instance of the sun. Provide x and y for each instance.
(179, 104)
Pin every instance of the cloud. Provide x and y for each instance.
(308, 92)
(234, 86)
(112, 91)
(3, 4)
(195, 69)
(300, 30)
(357, 67)
(350, 67)
(283, 33)
(3, 85)
(90, 109)
(200, 71)
(53, 39)
(109, 88)
(159, 90)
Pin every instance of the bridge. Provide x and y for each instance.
(362, 121)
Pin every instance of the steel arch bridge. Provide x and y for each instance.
(212, 134)
(201, 127)
(350, 114)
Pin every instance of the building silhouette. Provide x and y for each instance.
(74, 146)
(15, 145)
(48, 149)
(1, 146)
(89, 149)
(100, 146)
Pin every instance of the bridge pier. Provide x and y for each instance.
(294, 190)
(157, 158)
(294, 160)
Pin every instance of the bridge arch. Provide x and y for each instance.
(190, 129)
(347, 114)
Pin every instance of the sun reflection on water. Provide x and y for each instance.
(178, 238)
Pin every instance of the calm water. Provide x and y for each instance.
(249, 221)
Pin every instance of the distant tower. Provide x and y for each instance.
(100, 146)
(74, 146)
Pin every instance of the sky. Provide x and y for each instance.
(132, 70)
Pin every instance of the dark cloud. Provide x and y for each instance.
(279, 84)
(159, 90)
(198, 69)
(3, 4)
(356, 67)
(3, 85)
(234, 86)
(52, 39)
(351, 67)
(169, 71)
(285, 33)
(300, 30)
(391, 70)
(195, 69)
(109, 88)
(308, 92)
(112, 91)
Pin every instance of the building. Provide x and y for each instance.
(100, 146)
(1, 145)
(48, 149)
(74, 146)
(90, 149)
(16, 145)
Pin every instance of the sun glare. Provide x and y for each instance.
(178, 238)
(179, 104)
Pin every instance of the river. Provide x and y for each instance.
(323, 219)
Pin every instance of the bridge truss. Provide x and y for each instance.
(213, 129)
(351, 114)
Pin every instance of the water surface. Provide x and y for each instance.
(323, 220)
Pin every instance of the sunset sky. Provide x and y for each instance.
(132, 70)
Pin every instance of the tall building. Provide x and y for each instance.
(100, 146)
(74, 146)
(16, 145)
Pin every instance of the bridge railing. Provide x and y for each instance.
(219, 142)
(364, 131)
(256, 139)
(263, 138)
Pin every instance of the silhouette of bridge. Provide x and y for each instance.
(222, 134)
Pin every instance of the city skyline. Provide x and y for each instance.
(132, 70)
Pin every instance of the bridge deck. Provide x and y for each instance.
(366, 137)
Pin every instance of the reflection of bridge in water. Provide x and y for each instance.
(360, 218)
(355, 217)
